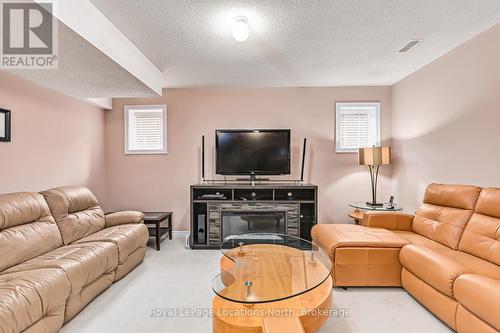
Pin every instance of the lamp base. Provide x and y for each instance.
(375, 204)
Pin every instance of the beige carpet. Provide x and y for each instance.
(178, 281)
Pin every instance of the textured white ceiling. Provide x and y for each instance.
(85, 72)
(293, 42)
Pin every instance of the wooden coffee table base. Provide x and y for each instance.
(311, 308)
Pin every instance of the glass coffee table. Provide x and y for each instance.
(267, 278)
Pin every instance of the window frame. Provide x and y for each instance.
(126, 109)
(338, 107)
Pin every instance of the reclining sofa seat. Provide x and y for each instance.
(478, 292)
(451, 216)
(82, 221)
(453, 243)
(38, 297)
(70, 260)
(430, 268)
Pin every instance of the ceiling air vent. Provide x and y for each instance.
(411, 44)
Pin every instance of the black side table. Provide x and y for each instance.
(156, 218)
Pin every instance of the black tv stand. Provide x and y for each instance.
(211, 201)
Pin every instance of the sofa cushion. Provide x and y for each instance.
(76, 211)
(481, 296)
(440, 267)
(481, 236)
(128, 238)
(27, 229)
(28, 297)
(82, 263)
(414, 238)
(445, 212)
(332, 236)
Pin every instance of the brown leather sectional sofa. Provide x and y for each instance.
(447, 255)
(58, 251)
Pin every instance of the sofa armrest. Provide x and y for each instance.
(125, 217)
(388, 220)
(435, 267)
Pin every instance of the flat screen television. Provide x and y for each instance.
(253, 152)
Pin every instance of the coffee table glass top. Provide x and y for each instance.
(260, 268)
(383, 208)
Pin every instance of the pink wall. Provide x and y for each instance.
(56, 140)
(443, 121)
(161, 182)
(446, 119)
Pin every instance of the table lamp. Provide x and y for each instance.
(374, 157)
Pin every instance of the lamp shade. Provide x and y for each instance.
(375, 156)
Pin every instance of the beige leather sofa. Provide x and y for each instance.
(58, 252)
(447, 255)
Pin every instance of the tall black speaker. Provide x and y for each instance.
(202, 229)
(202, 158)
(303, 160)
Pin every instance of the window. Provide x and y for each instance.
(357, 126)
(145, 129)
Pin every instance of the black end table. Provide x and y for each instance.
(156, 218)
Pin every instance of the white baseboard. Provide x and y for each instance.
(180, 234)
(184, 235)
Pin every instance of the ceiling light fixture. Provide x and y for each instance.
(241, 30)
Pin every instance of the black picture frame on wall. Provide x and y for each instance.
(5, 123)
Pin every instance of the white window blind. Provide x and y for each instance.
(357, 126)
(145, 129)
